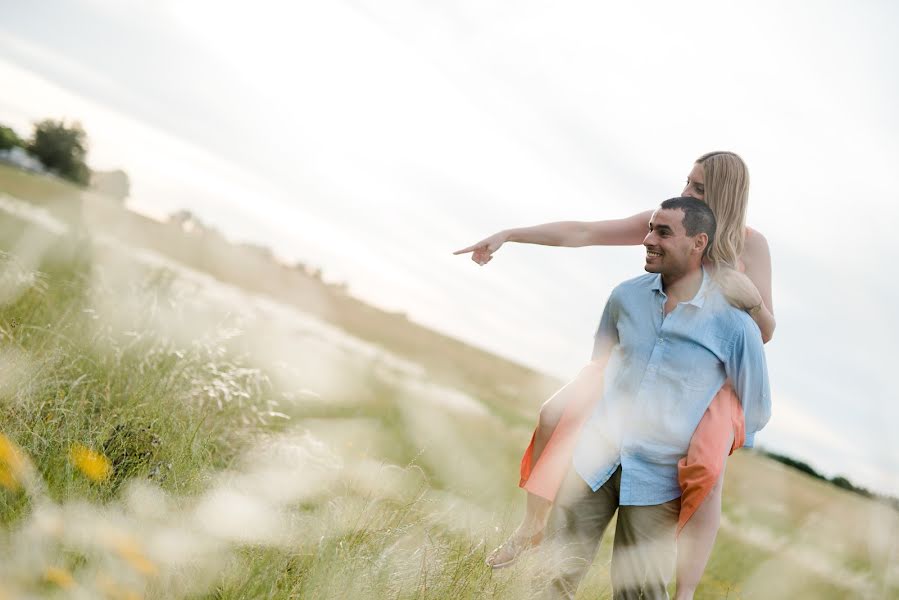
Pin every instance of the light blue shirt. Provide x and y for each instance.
(662, 374)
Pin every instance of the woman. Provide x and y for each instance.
(741, 261)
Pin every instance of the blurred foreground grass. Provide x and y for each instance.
(256, 453)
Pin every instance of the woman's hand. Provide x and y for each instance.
(482, 252)
(738, 288)
(568, 234)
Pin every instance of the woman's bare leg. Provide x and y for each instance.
(695, 543)
(537, 508)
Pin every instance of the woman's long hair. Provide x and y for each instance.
(727, 193)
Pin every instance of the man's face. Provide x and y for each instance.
(669, 250)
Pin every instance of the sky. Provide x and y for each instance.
(372, 139)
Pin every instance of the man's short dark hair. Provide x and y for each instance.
(698, 217)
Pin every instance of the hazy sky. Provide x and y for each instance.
(374, 138)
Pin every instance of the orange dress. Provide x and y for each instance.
(721, 426)
(721, 430)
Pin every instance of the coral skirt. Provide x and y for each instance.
(720, 431)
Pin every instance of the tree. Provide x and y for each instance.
(9, 138)
(62, 149)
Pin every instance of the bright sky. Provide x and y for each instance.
(373, 139)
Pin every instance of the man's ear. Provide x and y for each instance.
(700, 242)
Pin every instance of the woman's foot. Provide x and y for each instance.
(512, 548)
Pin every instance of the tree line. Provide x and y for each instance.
(838, 480)
(60, 147)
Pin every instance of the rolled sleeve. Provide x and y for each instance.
(748, 369)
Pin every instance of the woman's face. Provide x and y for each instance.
(695, 187)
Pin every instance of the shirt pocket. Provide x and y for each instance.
(706, 376)
(695, 369)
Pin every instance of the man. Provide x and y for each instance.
(669, 340)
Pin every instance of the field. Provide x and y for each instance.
(169, 432)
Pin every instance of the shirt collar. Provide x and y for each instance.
(699, 299)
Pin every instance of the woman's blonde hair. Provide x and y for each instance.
(727, 193)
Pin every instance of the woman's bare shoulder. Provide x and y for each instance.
(755, 247)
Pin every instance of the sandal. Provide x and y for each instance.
(509, 551)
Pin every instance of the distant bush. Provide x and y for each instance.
(9, 138)
(62, 149)
(844, 483)
(796, 464)
(838, 480)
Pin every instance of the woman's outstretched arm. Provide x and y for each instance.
(571, 234)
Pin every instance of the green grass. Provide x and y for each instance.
(373, 488)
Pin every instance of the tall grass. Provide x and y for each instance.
(153, 409)
(205, 489)
(159, 443)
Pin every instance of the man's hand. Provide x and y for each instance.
(482, 252)
(738, 288)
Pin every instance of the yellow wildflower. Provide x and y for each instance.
(60, 577)
(131, 552)
(111, 589)
(13, 464)
(10, 453)
(94, 465)
(7, 479)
